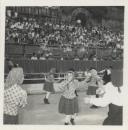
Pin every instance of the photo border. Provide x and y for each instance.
(5, 3)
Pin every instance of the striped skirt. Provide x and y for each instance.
(48, 86)
(68, 106)
(92, 90)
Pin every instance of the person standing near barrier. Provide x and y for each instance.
(48, 85)
(68, 103)
(10, 65)
(14, 96)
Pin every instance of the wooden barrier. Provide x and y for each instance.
(38, 66)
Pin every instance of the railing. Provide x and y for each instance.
(57, 76)
(43, 66)
(26, 50)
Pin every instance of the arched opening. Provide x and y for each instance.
(82, 17)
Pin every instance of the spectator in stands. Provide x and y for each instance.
(94, 58)
(70, 33)
(14, 96)
(42, 57)
(62, 58)
(31, 31)
(77, 58)
(34, 57)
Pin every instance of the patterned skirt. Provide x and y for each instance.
(68, 106)
(48, 86)
(92, 90)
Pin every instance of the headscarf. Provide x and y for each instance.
(93, 72)
(15, 76)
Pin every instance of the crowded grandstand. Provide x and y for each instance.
(75, 52)
(50, 37)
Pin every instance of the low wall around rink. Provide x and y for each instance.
(37, 88)
(38, 66)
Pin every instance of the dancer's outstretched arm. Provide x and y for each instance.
(60, 86)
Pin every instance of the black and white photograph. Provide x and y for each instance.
(64, 65)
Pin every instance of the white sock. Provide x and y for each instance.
(73, 116)
(47, 95)
(67, 118)
(92, 96)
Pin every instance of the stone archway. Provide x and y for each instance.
(80, 12)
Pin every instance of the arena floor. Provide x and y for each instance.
(36, 112)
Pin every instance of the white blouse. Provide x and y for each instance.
(111, 95)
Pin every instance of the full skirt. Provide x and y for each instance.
(68, 106)
(48, 86)
(91, 90)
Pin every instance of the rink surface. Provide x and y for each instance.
(36, 112)
(39, 113)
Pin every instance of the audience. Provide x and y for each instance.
(65, 36)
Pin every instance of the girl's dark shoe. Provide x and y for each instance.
(46, 101)
(76, 93)
(72, 121)
(94, 107)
